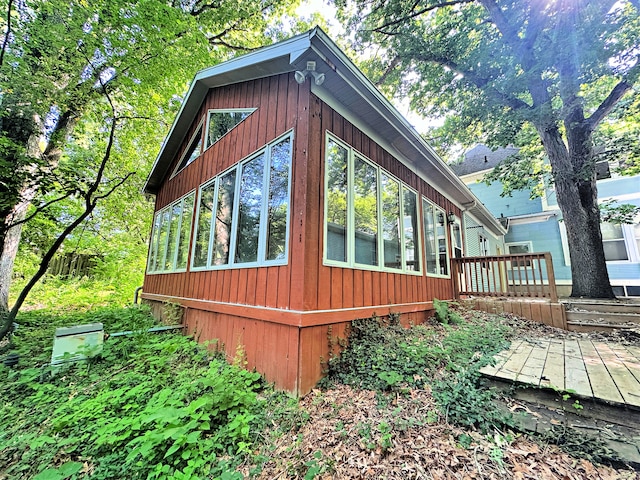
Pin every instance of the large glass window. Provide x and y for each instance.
(193, 151)
(250, 209)
(391, 221)
(371, 218)
(336, 211)
(251, 205)
(613, 242)
(435, 235)
(411, 229)
(220, 122)
(170, 236)
(224, 217)
(365, 197)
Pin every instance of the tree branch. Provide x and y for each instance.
(41, 208)
(480, 82)
(415, 13)
(623, 86)
(5, 42)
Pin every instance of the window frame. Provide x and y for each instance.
(264, 206)
(630, 240)
(447, 233)
(179, 167)
(350, 232)
(155, 237)
(521, 264)
(205, 132)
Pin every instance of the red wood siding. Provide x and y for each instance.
(280, 104)
(283, 316)
(328, 287)
(270, 348)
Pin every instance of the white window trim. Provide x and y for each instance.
(438, 209)
(529, 243)
(261, 262)
(184, 154)
(205, 133)
(168, 208)
(630, 244)
(352, 153)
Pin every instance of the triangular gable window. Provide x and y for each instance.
(193, 152)
(220, 122)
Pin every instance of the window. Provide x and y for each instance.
(613, 242)
(220, 122)
(170, 236)
(621, 242)
(435, 235)
(520, 248)
(251, 204)
(371, 218)
(193, 151)
(456, 238)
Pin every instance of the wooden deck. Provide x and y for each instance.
(604, 371)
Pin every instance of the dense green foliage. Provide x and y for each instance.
(152, 406)
(386, 357)
(553, 79)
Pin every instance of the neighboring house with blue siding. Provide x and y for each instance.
(535, 225)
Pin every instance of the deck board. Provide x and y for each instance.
(624, 380)
(553, 373)
(607, 371)
(601, 381)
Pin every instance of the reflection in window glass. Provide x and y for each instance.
(224, 214)
(222, 122)
(435, 238)
(410, 225)
(201, 247)
(162, 240)
(153, 252)
(365, 197)
(390, 221)
(193, 151)
(613, 242)
(170, 236)
(430, 237)
(249, 211)
(185, 232)
(336, 202)
(172, 242)
(278, 200)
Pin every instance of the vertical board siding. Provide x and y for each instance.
(337, 287)
(280, 104)
(267, 347)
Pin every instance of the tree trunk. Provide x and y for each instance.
(577, 194)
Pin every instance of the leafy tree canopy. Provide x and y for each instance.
(555, 76)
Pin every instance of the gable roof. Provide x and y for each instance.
(346, 90)
(481, 158)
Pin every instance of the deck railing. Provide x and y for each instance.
(527, 275)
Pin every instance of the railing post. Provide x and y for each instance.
(456, 279)
(551, 278)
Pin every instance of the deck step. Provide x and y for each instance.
(603, 317)
(586, 327)
(609, 306)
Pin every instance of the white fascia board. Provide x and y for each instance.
(531, 218)
(218, 75)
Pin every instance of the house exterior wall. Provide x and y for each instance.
(279, 318)
(545, 234)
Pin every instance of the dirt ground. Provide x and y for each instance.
(357, 434)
